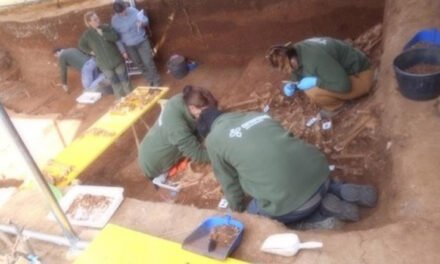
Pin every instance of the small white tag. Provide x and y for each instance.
(327, 125)
(331, 167)
(311, 121)
(266, 109)
(223, 203)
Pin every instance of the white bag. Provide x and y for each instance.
(286, 244)
(89, 97)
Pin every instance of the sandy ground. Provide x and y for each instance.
(402, 229)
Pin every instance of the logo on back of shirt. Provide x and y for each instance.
(236, 132)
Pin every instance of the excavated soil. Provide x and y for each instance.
(228, 41)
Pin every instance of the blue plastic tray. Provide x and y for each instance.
(429, 35)
(198, 240)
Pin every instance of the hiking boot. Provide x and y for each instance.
(363, 195)
(331, 205)
(318, 221)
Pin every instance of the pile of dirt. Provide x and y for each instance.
(423, 69)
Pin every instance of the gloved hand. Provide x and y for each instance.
(289, 89)
(307, 83)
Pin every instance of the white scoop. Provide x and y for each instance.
(286, 244)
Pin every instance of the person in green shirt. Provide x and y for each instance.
(174, 136)
(328, 70)
(100, 40)
(91, 78)
(288, 179)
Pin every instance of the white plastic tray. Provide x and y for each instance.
(99, 217)
(89, 97)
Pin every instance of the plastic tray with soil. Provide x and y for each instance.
(222, 236)
(217, 237)
(88, 207)
(91, 206)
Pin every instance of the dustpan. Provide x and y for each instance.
(201, 239)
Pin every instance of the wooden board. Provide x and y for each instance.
(115, 245)
(76, 157)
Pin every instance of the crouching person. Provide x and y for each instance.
(174, 135)
(329, 71)
(288, 179)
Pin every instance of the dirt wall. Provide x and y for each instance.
(221, 32)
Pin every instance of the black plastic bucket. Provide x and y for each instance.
(418, 86)
(177, 66)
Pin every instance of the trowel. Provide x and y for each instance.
(286, 244)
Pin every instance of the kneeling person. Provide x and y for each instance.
(287, 178)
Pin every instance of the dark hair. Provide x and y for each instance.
(119, 6)
(206, 119)
(291, 53)
(198, 97)
(276, 53)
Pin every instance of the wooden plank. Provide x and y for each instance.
(116, 244)
(76, 157)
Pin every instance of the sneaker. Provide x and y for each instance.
(331, 205)
(363, 195)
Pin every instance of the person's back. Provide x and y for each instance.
(278, 170)
(328, 70)
(313, 50)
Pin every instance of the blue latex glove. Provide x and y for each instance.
(289, 89)
(307, 83)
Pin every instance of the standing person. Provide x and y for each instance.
(100, 41)
(91, 78)
(130, 24)
(288, 179)
(328, 70)
(173, 136)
